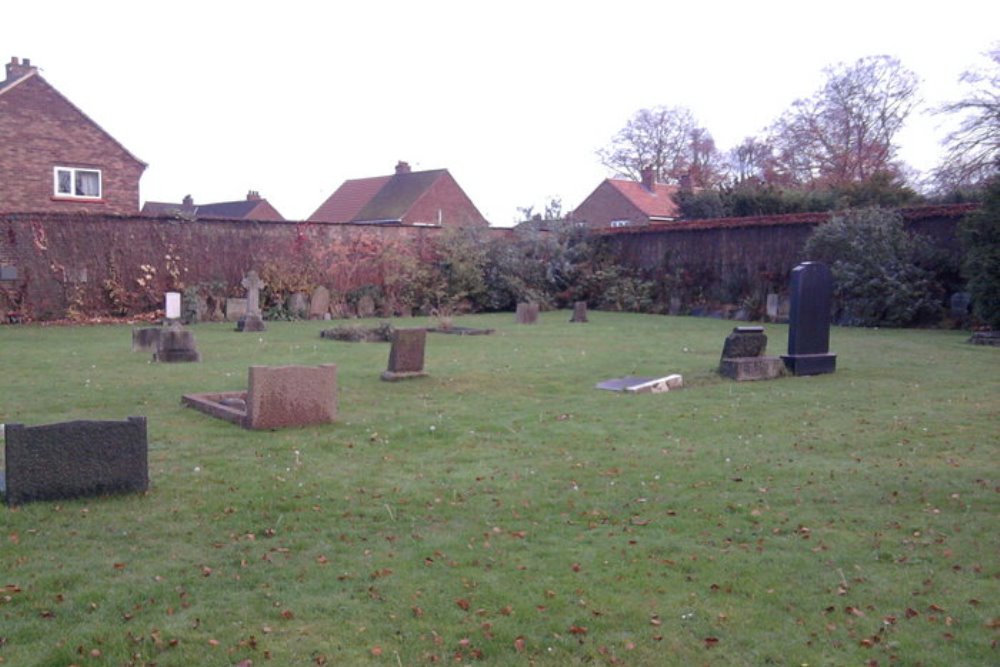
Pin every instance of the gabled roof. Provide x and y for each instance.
(378, 199)
(657, 202)
(227, 209)
(10, 84)
(348, 200)
(256, 208)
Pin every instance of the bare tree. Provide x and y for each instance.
(973, 150)
(750, 162)
(844, 133)
(667, 139)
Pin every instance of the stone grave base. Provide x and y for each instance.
(277, 397)
(251, 323)
(985, 338)
(752, 368)
(810, 364)
(643, 385)
(396, 376)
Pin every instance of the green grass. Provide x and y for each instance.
(504, 511)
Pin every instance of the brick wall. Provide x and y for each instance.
(40, 130)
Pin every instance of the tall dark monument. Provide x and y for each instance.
(809, 321)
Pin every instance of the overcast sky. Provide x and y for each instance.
(293, 97)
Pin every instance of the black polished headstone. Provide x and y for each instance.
(809, 321)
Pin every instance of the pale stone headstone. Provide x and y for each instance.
(173, 306)
(235, 309)
(319, 304)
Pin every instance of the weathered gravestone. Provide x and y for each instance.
(252, 320)
(809, 321)
(74, 459)
(276, 397)
(175, 344)
(298, 305)
(579, 312)
(236, 308)
(145, 339)
(366, 306)
(959, 304)
(319, 304)
(743, 356)
(527, 313)
(406, 357)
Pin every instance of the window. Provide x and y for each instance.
(77, 183)
(620, 223)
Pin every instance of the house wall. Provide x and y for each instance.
(40, 129)
(606, 204)
(457, 210)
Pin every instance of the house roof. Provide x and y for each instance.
(656, 202)
(377, 199)
(11, 84)
(348, 200)
(256, 208)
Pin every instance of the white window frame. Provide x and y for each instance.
(620, 223)
(75, 191)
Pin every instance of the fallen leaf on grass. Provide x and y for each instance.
(519, 644)
(577, 630)
(463, 604)
(711, 641)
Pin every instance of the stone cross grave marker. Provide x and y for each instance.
(809, 321)
(252, 320)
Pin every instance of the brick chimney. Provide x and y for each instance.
(402, 167)
(648, 178)
(253, 195)
(17, 69)
(188, 201)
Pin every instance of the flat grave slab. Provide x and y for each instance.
(633, 384)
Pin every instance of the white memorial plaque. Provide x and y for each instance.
(173, 305)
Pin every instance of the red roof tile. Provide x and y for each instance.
(656, 203)
(348, 200)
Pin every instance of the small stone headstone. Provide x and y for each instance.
(527, 313)
(406, 358)
(176, 344)
(674, 307)
(959, 304)
(743, 356)
(319, 304)
(579, 312)
(771, 307)
(366, 306)
(745, 342)
(809, 321)
(173, 306)
(235, 309)
(145, 339)
(298, 305)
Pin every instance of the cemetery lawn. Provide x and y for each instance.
(503, 511)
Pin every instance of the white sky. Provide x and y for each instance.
(293, 97)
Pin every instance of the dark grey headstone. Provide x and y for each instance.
(176, 344)
(959, 304)
(745, 342)
(250, 322)
(406, 358)
(809, 321)
(579, 312)
(75, 459)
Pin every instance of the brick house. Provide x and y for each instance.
(254, 207)
(53, 157)
(621, 203)
(428, 198)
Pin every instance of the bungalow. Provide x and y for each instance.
(55, 158)
(621, 203)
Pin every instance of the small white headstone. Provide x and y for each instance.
(173, 305)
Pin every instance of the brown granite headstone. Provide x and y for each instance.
(281, 396)
(579, 312)
(406, 357)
